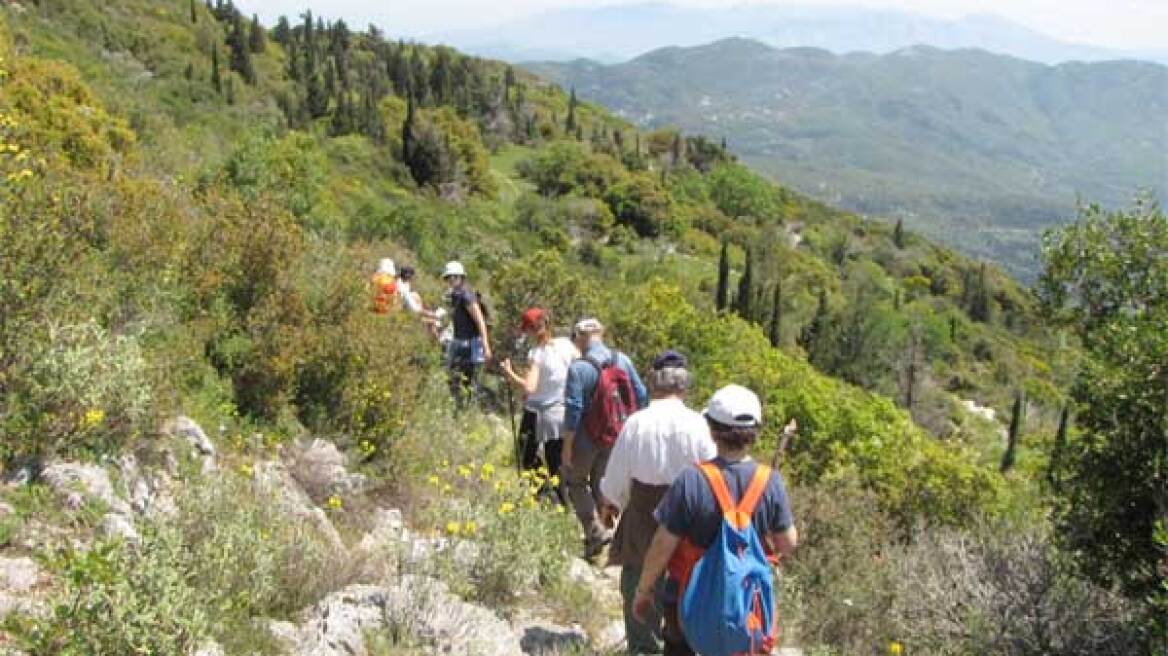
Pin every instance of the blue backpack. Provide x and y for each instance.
(727, 604)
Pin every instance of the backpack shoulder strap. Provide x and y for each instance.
(592, 361)
(754, 492)
(718, 485)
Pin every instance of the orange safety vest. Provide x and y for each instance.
(385, 297)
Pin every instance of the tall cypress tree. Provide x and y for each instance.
(407, 136)
(570, 121)
(745, 288)
(216, 80)
(814, 330)
(1060, 444)
(980, 308)
(256, 39)
(1011, 455)
(898, 234)
(194, 13)
(722, 295)
(240, 53)
(775, 333)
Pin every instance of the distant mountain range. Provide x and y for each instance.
(613, 34)
(981, 150)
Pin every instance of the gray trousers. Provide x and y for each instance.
(583, 479)
(641, 638)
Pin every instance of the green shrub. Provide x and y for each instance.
(81, 390)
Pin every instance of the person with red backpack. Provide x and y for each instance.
(723, 525)
(601, 392)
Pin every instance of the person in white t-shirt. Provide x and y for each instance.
(543, 388)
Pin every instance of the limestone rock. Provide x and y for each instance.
(543, 638)
(189, 430)
(19, 578)
(273, 479)
(320, 468)
(76, 481)
(114, 525)
(420, 608)
(611, 637)
(209, 648)
(378, 553)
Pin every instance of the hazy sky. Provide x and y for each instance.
(1126, 24)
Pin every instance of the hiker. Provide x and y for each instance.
(384, 282)
(655, 445)
(543, 387)
(694, 520)
(590, 429)
(412, 301)
(470, 345)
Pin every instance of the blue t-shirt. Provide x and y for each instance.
(690, 510)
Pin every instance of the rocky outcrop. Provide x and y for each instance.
(273, 478)
(19, 578)
(77, 483)
(320, 469)
(187, 429)
(414, 606)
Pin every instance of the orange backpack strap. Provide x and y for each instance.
(758, 484)
(718, 485)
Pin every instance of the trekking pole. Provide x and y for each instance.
(789, 433)
(514, 429)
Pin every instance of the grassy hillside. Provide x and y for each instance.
(181, 240)
(980, 151)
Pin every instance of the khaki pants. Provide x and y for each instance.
(583, 478)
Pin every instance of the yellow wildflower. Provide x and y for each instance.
(529, 502)
(554, 481)
(559, 509)
(246, 469)
(506, 508)
(487, 471)
(453, 528)
(334, 503)
(895, 648)
(470, 528)
(498, 486)
(446, 489)
(93, 417)
(434, 480)
(464, 471)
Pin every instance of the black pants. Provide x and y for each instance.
(529, 443)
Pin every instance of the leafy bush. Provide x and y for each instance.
(80, 391)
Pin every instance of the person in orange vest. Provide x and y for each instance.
(384, 281)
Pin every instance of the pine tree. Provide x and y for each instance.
(570, 121)
(1011, 454)
(216, 80)
(257, 40)
(776, 328)
(721, 299)
(675, 150)
(745, 289)
(194, 13)
(898, 234)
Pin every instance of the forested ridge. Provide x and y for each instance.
(194, 203)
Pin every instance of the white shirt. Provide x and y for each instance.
(408, 299)
(654, 446)
(553, 360)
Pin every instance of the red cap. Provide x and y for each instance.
(531, 318)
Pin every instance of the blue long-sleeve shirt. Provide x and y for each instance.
(582, 379)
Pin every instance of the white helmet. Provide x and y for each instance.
(385, 265)
(453, 269)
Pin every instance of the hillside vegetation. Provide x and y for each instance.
(978, 150)
(193, 205)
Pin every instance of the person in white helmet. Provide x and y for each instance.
(384, 282)
(470, 347)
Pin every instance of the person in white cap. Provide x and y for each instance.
(586, 456)
(384, 282)
(689, 518)
(470, 347)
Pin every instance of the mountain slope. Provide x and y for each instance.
(981, 150)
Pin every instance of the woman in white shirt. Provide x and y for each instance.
(543, 388)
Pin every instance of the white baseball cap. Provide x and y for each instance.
(453, 269)
(589, 325)
(385, 265)
(735, 406)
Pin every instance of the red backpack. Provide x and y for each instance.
(613, 402)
